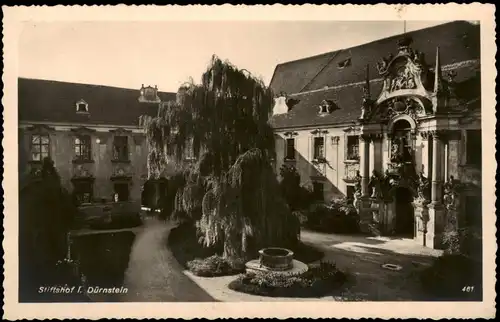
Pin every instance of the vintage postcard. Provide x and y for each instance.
(249, 161)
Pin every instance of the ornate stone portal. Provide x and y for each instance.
(405, 108)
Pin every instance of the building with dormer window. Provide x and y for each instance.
(92, 134)
(394, 125)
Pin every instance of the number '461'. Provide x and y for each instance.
(468, 289)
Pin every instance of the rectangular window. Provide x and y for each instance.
(352, 148)
(120, 148)
(290, 149)
(83, 192)
(473, 148)
(318, 191)
(121, 189)
(319, 148)
(40, 147)
(82, 148)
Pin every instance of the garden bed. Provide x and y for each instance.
(104, 257)
(318, 281)
(206, 261)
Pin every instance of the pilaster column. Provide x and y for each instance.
(436, 219)
(371, 152)
(364, 163)
(375, 151)
(385, 151)
(426, 162)
(437, 171)
(453, 159)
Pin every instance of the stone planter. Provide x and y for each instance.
(276, 259)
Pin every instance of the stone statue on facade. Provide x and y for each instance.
(366, 104)
(395, 153)
(450, 195)
(423, 187)
(357, 189)
(375, 184)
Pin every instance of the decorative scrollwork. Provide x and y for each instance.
(383, 64)
(404, 79)
(407, 105)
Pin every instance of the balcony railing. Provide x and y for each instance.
(351, 172)
(406, 169)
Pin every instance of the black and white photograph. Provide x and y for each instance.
(319, 162)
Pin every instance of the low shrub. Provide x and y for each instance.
(296, 196)
(450, 274)
(317, 281)
(216, 265)
(183, 242)
(185, 246)
(336, 217)
(301, 215)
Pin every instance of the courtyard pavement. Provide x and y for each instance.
(153, 273)
(362, 258)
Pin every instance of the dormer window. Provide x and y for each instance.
(326, 107)
(82, 107)
(345, 63)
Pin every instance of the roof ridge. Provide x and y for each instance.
(322, 69)
(83, 84)
(448, 67)
(366, 43)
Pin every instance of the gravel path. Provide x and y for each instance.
(153, 274)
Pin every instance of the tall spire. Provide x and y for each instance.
(366, 105)
(438, 86)
(366, 89)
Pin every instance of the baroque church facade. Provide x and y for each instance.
(393, 125)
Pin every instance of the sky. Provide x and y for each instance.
(167, 54)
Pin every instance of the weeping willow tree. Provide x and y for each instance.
(231, 190)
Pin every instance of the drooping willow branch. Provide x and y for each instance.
(231, 190)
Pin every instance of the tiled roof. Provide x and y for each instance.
(458, 41)
(54, 101)
(459, 45)
(348, 100)
(305, 112)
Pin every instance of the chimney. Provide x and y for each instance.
(149, 94)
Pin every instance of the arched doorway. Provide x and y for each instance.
(405, 216)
